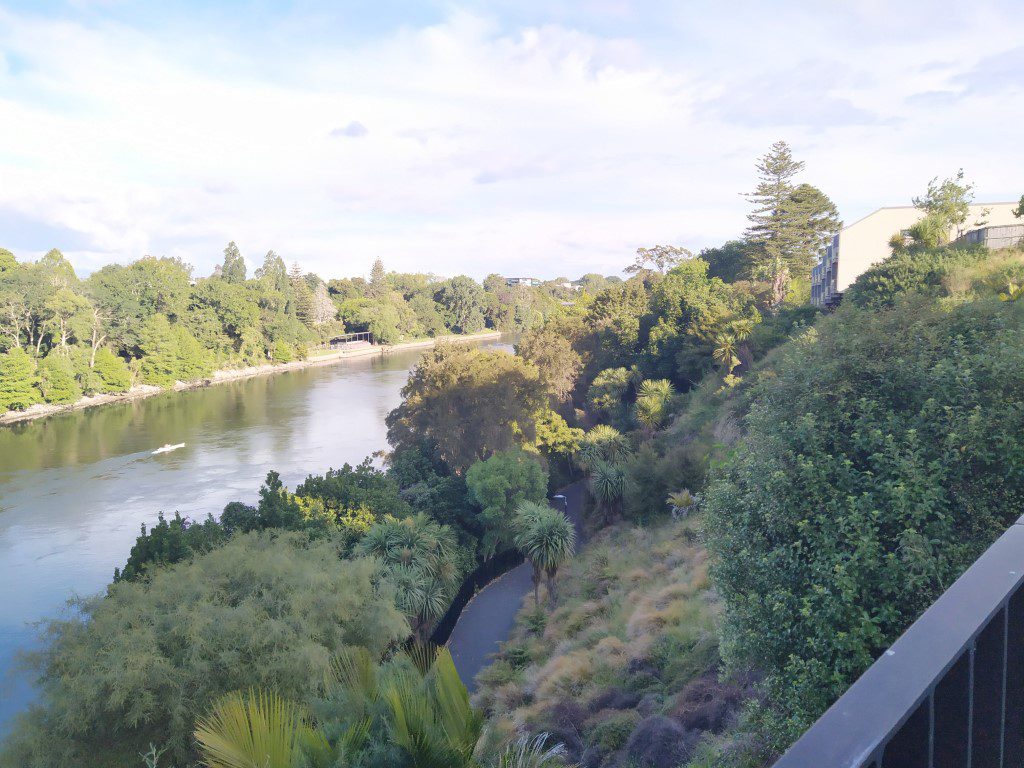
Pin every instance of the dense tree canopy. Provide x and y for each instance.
(265, 610)
(163, 325)
(499, 484)
(468, 403)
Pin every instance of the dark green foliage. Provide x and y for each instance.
(170, 542)
(233, 269)
(239, 518)
(686, 308)
(18, 381)
(359, 487)
(884, 453)
(730, 262)
(277, 508)
(429, 486)
(111, 371)
(918, 270)
(57, 380)
(140, 665)
(499, 485)
(461, 302)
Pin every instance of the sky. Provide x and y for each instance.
(529, 137)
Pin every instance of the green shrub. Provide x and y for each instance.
(613, 730)
(57, 380)
(138, 666)
(883, 454)
(282, 352)
(18, 381)
(112, 372)
(917, 271)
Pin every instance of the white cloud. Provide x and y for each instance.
(466, 146)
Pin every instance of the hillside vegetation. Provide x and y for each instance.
(773, 496)
(846, 481)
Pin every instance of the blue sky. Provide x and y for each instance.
(550, 138)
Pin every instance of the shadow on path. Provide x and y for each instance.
(488, 618)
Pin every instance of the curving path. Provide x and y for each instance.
(487, 619)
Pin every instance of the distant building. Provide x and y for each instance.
(866, 243)
(532, 282)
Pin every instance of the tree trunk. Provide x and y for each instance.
(536, 586)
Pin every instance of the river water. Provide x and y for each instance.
(75, 488)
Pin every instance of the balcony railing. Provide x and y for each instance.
(950, 690)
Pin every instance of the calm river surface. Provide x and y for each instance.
(75, 488)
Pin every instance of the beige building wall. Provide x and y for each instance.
(866, 242)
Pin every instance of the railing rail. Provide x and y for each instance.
(950, 690)
(340, 342)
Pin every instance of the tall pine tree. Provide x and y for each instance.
(233, 270)
(303, 296)
(790, 224)
(378, 281)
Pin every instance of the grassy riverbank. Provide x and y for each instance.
(225, 375)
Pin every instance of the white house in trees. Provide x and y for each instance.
(866, 242)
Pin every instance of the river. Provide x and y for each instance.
(75, 488)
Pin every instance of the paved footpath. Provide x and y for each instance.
(487, 619)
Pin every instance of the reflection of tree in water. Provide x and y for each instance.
(283, 403)
(88, 436)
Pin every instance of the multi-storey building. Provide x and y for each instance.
(866, 242)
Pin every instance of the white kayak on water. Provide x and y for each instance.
(168, 448)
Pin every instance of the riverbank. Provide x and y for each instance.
(140, 391)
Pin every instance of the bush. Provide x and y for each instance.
(499, 485)
(18, 381)
(139, 666)
(57, 382)
(612, 731)
(914, 271)
(282, 352)
(883, 455)
(112, 372)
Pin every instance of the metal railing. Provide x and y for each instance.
(950, 690)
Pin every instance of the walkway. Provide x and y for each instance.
(487, 619)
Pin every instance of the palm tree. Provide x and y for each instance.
(724, 352)
(608, 486)
(419, 560)
(602, 443)
(254, 730)
(431, 717)
(652, 402)
(681, 502)
(547, 539)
